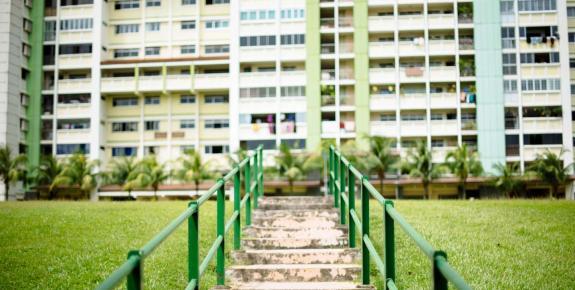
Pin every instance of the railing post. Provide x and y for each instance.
(247, 185)
(237, 201)
(351, 201)
(439, 282)
(136, 276)
(330, 171)
(194, 244)
(364, 231)
(388, 243)
(220, 231)
(256, 179)
(261, 170)
(336, 179)
(343, 170)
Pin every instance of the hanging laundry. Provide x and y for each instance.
(414, 72)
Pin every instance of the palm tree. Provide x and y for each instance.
(357, 157)
(237, 157)
(12, 168)
(120, 172)
(548, 166)
(508, 180)
(47, 172)
(149, 173)
(78, 171)
(381, 158)
(194, 169)
(463, 163)
(419, 163)
(294, 167)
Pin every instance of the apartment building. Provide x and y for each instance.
(138, 77)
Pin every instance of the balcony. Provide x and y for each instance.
(328, 74)
(466, 44)
(76, 11)
(381, 49)
(412, 74)
(346, 74)
(381, 23)
(327, 100)
(382, 75)
(413, 128)
(327, 48)
(542, 125)
(178, 82)
(258, 53)
(151, 83)
(78, 36)
(382, 102)
(70, 61)
(257, 131)
(439, 153)
(512, 150)
(327, 23)
(411, 22)
(540, 18)
(540, 71)
(443, 100)
(530, 151)
(413, 101)
(345, 22)
(293, 78)
(258, 105)
(442, 47)
(254, 79)
(345, 47)
(72, 135)
(511, 123)
(444, 127)
(118, 84)
(541, 99)
(212, 81)
(72, 86)
(411, 47)
(73, 110)
(293, 130)
(442, 73)
(441, 21)
(383, 128)
(468, 125)
(293, 52)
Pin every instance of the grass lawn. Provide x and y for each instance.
(493, 244)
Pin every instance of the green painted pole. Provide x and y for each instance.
(343, 170)
(256, 180)
(365, 232)
(351, 197)
(134, 279)
(335, 180)
(247, 179)
(261, 161)
(330, 171)
(389, 242)
(194, 245)
(220, 231)
(237, 201)
(439, 281)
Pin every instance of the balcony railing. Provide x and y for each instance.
(327, 74)
(328, 48)
(511, 123)
(512, 150)
(327, 23)
(345, 22)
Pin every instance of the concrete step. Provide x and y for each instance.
(295, 213)
(301, 286)
(293, 243)
(298, 256)
(294, 273)
(285, 232)
(321, 198)
(294, 206)
(295, 222)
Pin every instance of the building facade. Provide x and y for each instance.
(139, 77)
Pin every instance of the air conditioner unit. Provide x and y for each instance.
(26, 49)
(24, 98)
(27, 25)
(28, 3)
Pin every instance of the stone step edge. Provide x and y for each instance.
(300, 286)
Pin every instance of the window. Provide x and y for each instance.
(570, 11)
(508, 37)
(75, 48)
(191, 24)
(506, 7)
(124, 102)
(213, 2)
(571, 37)
(251, 15)
(127, 28)
(552, 57)
(542, 139)
(216, 124)
(126, 4)
(124, 126)
(290, 39)
(124, 151)
(216, 149)
(294, 13)
(541, 85)
(217, 24)
(186, 148)
(76, 24)
(572, 62)
(152, 51)
(295, 91)
(188, 49)
(151, 150)
(213, 49)
(537, 5)
(188, 124)
(573, 91)
(127, 52)
(152, 125)
(413, 117)
(387, 117)
(188, 2)
(509, 86)
(67, 149)
(74, 99)
(217, 99)
(266, 92)
(76, 2)
(153, 3)
(155, 100)
(187, 99)
(509, 64)
(152, 26)
(261, 40)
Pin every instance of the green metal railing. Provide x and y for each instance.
(342, 185)
(133, 269)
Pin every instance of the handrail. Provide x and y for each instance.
(133, 268)
(342, 184)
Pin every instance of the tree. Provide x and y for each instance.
(238, 156)
(78, 171)
(357, 157)
(194, 169)
(381, 158)
(419, 163)
(47, 171)
(507, 179)
(120, 171)
(12, 168)
(149, 173)
(548, 166)
(294, 167)
(463, 163)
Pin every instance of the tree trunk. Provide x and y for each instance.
(554, 191)
(463, 190)
(6, 189)
(381, 178)
(155, 193)
(197, 184)
(426, 191)
(290, 186)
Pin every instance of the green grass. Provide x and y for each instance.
(493, 244)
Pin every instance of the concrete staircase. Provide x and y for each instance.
(295, 243)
